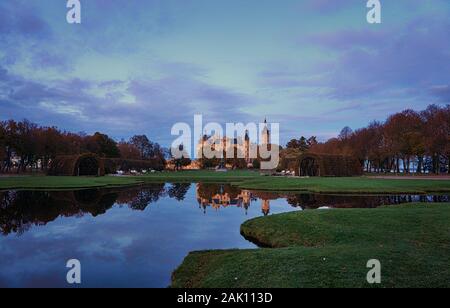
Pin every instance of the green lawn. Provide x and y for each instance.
(67, 182)
(358, 185)
(64, 182)
(243, 179)
(202, 176)
(331, 248)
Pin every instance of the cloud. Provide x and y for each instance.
(348, 39)
(175, 96)
(145, 105)
(18, 18)
(134, 67)
(442, 92)
(46, 60)
(181, 69)
(414, 56)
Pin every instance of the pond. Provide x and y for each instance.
(136, 237)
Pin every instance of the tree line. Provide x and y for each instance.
(26, 146)
(409, 142)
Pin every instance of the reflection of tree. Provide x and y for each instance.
(19, 210)
(140, 198)
(178, 191)
(266, 195)
(314, 201)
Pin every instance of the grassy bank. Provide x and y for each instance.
(244, 179)
(331, 249)
(67, 182)
(357, 185)
(237, 176)
(64, 182)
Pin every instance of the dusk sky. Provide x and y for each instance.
(138, 67)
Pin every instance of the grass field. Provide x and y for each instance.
(331, 249)
(244, 179)
(64, 182)
(358, 185)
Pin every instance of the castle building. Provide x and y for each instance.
(265, 134)
(242, 145)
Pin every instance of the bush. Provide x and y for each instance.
(256, 164)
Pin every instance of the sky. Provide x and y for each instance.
(139, 67)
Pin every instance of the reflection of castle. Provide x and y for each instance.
(265, 207)
(242, 145)
(222, 197)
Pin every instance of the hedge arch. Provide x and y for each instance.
(309, 164)
(77, 165)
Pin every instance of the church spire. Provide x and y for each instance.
(265, 133)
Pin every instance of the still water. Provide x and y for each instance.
(136, 237)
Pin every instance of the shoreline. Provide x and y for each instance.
(248, 180)
(315, 249)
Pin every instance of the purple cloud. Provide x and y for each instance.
(413, 57)
(45, 60)
(124, 106)
(442, 92)
(19, 18)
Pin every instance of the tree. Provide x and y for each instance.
(302, 144)
(447, 129)
(10, 139)
(312, 141)
(102, 145)
(143, 144)
(2, 143)
(182, 161)
(25, 145)
(128, 151)
(50, 144)
(436, 133)
(404, 134)
(346, 133)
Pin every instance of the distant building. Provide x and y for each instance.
(242, 145)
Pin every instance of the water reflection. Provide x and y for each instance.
(136, 237)
(222, 196)
(315, 201)
(19, 210)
